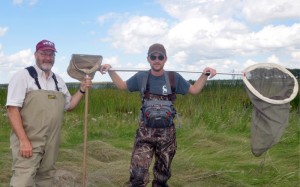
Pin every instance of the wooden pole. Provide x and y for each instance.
(85, 137)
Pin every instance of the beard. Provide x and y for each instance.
(157, 67)
(46, 66)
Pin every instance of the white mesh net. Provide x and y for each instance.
(270, 88)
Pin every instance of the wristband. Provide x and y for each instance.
(83, 92)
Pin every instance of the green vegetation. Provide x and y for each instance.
(213, 137)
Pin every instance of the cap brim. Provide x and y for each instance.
(157, 52)
(47, 48)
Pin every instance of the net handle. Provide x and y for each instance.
(180, 71)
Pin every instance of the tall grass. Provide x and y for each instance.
(213, 132)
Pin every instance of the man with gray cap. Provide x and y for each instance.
(36, 101)
(155, 135)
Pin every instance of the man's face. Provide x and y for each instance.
(45, 59)
(157, 61)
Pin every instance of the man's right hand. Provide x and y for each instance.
(25, 148)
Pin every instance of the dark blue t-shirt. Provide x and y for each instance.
(157, 83)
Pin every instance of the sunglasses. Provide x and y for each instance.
(160, 57)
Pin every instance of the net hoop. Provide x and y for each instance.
(83, 64)
(260, 96)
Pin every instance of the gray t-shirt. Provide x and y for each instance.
(157, 83)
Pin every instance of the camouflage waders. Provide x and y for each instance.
(149, 142)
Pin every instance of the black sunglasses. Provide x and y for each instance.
(160, 57)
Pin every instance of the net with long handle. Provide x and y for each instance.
(270, 88)
(80, 66)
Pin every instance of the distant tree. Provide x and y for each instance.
(295, 72)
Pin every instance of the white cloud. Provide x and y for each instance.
(183, 9)
(265, 10)
(137, 32)
(203, 28)
(273, 59)
(218, 39)
(296, 56)
(248, 63)
(12, 63)
(228, 35)
(111, 60)
(21, 59)
(203, 36)
(210, 33)
(20, 2)
(17, 2)
(180, 56)
(277, 36)
(3, 30)
(108, 16)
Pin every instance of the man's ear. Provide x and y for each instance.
(148, 59)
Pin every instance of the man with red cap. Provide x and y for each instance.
(36, 101)
(156, 132)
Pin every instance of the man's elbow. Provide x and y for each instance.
(69, 109)
(11, 109)
(122, 86)
(193, 90)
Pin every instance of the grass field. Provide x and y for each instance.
(213, 138)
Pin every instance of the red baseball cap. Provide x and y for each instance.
(45, 45)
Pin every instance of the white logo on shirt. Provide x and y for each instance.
(164, 90)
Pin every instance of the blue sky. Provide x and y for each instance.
(228, 35)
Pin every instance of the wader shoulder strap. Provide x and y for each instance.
(171, 75)
(34, 75)
(168, 83)
(55, 80)
(172, 80)
(145, 84)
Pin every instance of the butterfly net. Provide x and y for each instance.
(270, 88)
(82, 65)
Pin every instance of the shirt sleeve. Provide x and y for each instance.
(68, 97)
(64, 89)
(17, 89)
(182, 86)
(134, 83)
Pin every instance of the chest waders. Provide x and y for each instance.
(42, 116)
(153, 142)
